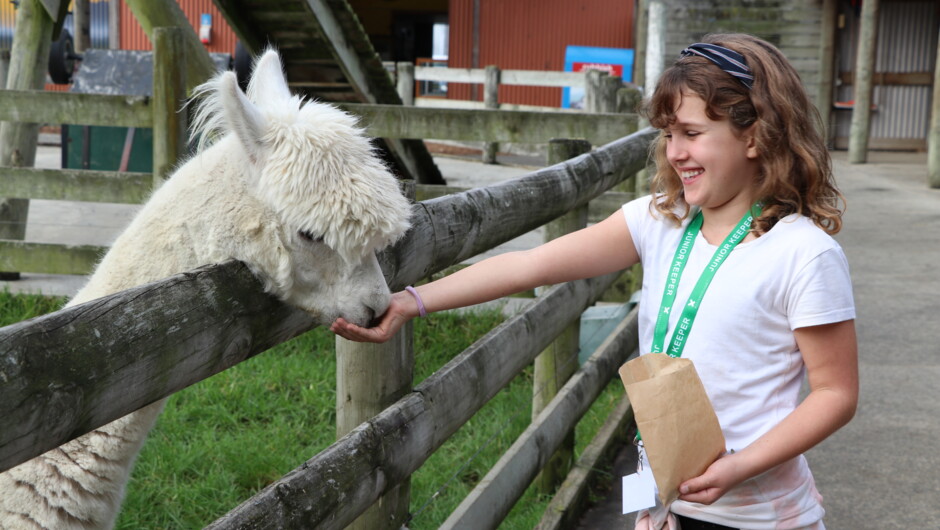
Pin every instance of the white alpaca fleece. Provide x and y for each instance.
(293, 189)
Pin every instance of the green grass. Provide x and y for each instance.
(222, 440)
(14, 308)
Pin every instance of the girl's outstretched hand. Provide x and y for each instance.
(400, 310)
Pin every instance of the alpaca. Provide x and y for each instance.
(293, 189)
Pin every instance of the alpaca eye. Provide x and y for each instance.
(307, 236)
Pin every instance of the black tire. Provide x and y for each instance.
(241, 63)
(62, 59)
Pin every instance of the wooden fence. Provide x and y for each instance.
(99, 186)
(50, 395)
(600, 89)
(603, 93)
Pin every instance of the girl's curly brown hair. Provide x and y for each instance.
(795, 168)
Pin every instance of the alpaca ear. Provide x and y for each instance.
(268, 83)
(242, 116)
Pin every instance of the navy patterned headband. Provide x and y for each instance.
(728, 60)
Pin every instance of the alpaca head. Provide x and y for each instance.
(311, 166)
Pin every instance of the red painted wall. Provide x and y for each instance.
(532, 35)
(222, 37)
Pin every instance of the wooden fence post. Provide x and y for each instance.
(640, 29)
(827, 42)
(933, 140)
(628, 100)
(81, 22)
(592, 89)
(369, 379)
(491, 101)
(405, 82)
(864, 72)
(610, 85)
(169, 95)
(4, 67)
(555, 365)
(114, 25)
(32, 39)
(654, 59)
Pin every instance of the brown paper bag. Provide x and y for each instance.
(679, 427)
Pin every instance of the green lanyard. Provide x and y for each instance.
(684, 326)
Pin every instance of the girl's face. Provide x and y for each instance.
(716, 164)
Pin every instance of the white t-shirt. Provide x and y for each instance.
(743, 347)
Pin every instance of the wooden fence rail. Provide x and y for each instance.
(517, 126)
(507, 77)
(36, 106)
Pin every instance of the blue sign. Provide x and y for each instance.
(615, 61)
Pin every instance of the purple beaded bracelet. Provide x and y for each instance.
(414, 292)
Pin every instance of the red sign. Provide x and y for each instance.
(611, 69)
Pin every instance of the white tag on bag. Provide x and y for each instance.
(639, 491)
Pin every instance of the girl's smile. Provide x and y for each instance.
(716, 163)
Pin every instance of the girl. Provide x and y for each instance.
(744, 199)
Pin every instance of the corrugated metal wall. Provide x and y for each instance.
(98, 23)
(223, 38)
(907, 43)
(532, 35)
(132, 36)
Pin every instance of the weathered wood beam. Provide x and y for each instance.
(79, 368)
(352, 473)
(395, 121)
(37, 106)
(75, 185)
(489, 502)
(598, 209)
(48, 258)
(464, 225)
(190, 326)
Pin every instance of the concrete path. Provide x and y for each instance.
(882, 471)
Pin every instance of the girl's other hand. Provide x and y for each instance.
(401, 309)
(724, 474)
